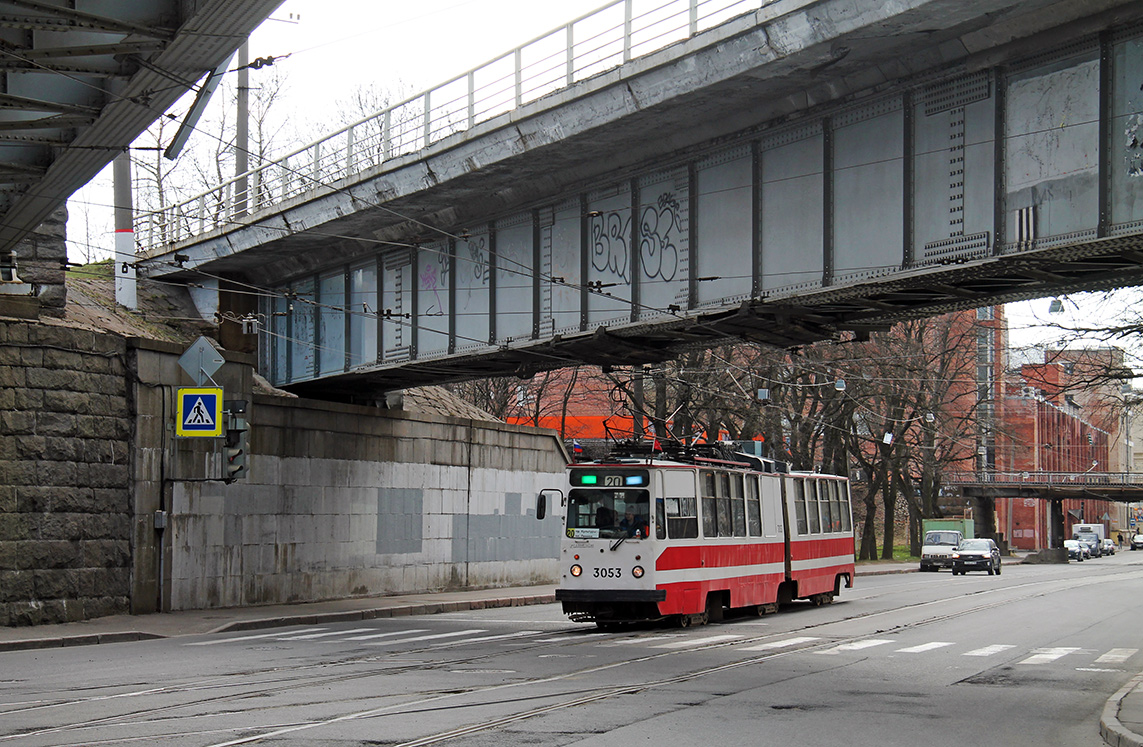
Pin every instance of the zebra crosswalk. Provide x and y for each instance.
(680, 642)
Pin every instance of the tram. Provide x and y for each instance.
(687, 533)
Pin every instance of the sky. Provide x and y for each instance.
(328, 48)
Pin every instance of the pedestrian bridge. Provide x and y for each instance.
(1121, 487)
(665, 174)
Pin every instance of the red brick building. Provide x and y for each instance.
(1059, 418)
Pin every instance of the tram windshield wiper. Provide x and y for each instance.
(618, 542)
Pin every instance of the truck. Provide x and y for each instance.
(941, 537)
(1091, 535)
(1098, 529)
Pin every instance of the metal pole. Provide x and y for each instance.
(242, 132)
(124, 232)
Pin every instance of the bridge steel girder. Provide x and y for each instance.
(778, 181)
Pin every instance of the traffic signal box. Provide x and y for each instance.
(234, 448)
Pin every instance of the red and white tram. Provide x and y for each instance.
(691, 532)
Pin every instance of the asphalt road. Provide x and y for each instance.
(1025, 658)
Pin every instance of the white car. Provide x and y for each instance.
(1137, 542)
(1108, 546)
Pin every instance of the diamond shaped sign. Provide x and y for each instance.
(201, 360)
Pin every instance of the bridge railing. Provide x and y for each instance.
(1044, 478)
(580, 49)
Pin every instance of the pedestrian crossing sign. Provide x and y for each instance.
(199, 412)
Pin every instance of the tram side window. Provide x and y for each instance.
(660, 520)
(836, 521)
(709, 505)
(812, 507)
(753, 510)
(800, 505)
(737, 507)
(682, 518)
(725, 524)
(824, 490)
(846, 509)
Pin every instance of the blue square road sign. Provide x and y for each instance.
(199, 412)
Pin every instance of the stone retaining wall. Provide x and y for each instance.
(104, 511)
(65, 512)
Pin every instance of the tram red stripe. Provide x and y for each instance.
(727, 556)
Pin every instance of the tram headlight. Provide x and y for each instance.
(637, 571)
(577, 570)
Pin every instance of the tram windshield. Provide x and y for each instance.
(608, 514)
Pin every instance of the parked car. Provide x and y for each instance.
(1137, 542)
(1075, 550)
(976, 555)
(1090, 540)
(1107, 546)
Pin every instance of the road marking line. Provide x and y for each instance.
(312, 636)
(693, 642)
(782, 643)
(390, 634)
(1048, 655)
(989, 650)
(1117, 656)
(492, 637)
(247, 638)
(856, 645)
(924, 647)
(637, 641)
(429, 637)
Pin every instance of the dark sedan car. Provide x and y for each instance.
(976, 555)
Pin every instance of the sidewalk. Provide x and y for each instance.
(1121, 724)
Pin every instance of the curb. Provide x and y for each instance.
(405, 610)
(1110, 728)
(77, 640)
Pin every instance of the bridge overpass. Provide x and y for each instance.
(673, 173)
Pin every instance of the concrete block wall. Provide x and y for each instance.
(65, 514)
(345, 501)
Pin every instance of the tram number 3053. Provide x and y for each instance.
(608, 572)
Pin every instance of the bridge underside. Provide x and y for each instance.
(790, 178)
(782, 322)
(81, 80)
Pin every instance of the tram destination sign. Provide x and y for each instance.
(610, 478)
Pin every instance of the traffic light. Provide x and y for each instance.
(234, 449)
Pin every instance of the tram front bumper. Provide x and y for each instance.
(611, 595)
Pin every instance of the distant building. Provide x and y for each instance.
(1064, 415)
